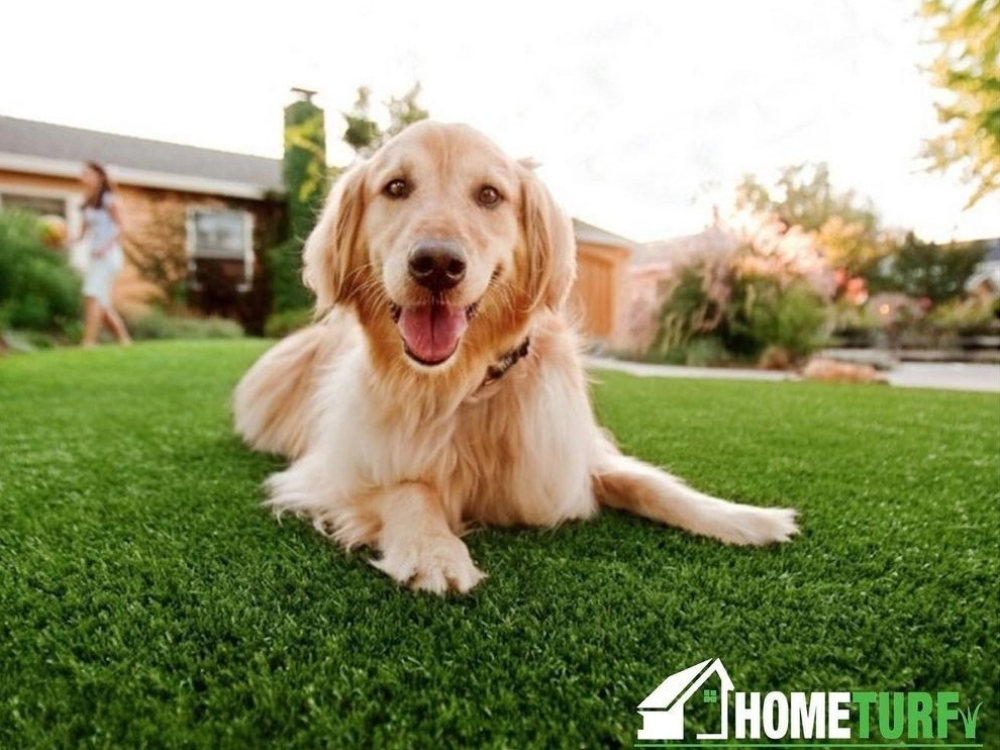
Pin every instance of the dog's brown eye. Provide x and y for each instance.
(397, 188)
(488, 196)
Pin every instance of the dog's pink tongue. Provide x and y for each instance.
(432, 332)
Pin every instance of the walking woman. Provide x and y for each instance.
(102, 219)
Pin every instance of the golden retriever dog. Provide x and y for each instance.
(442, 388)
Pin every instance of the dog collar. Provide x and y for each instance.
(496, 371)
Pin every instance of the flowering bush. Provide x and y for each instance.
(768, 294)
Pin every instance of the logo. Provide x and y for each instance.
(906, 719)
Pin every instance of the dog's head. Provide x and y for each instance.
(443, 238)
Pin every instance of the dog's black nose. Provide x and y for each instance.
(437, 265)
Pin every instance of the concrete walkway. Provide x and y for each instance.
(954, 376)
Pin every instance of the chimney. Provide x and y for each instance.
(303, 95)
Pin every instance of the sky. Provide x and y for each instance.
(643, 113)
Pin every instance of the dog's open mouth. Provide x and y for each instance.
(432, 331)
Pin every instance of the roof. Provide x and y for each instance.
(592, 235)
(678, 687)
(45, 148)
(986, 273)
(993, 251)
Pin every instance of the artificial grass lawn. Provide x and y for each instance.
(146, 600)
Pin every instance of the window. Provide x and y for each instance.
(221, 236)
(36, 204)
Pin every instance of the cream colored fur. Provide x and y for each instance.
(404, 458)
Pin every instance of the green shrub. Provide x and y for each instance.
(280, 324)
(38, 289)
(717, 313)
(694, 306)
(763, 313)
(854, 326)
(706, 351)
(963, 315)
(284, 269)
(159, 325)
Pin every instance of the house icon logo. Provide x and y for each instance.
(663, 710)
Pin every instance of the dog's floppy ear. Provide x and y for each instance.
(333, 253)
(549, 243)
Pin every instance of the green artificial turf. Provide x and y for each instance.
(146, 599)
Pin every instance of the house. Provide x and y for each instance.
(602, 261)
(984, 283)
(198, 221)
(662, 710)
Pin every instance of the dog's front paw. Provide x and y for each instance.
(755, 527)
(437, 564)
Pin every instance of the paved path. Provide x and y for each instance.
(955, 376)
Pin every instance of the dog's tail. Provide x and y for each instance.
(271, 405)
(629, 484)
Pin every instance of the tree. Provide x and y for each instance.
(304, 169)
(363, 133)
(805, 198)
(846, 224)
(967, 67)
(304, 173)
(926, 270)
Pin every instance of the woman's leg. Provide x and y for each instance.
(91, 321)
(117, 326)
